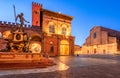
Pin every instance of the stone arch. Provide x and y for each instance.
(64, 25)
(64, 47)
(35, 37)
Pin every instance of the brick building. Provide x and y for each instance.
(50, 32)
(77, 50)
(102, 41)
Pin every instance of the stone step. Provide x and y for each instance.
(26, 65)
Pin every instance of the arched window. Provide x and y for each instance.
(51, 29)
(94, 35)
(64, 31)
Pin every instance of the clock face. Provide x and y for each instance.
(18, 37)
(35, 47)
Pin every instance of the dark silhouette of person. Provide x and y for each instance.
(21, 18)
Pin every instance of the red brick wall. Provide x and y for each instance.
(47, 44)
(36, 14)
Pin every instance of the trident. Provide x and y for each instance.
(14, 13)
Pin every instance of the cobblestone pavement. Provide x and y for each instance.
(80, 67)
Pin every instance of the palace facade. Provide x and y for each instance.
(102, 41)
(50, 32)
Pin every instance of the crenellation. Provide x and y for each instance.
(9, 24)
(29, 26)
(13, 24)
(4, 23)
(36, 4)
(41, 5)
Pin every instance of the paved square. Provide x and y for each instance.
(83, 66)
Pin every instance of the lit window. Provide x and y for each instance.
(64, 31)
(51, 29)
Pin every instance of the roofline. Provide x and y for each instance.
(105, 28)
(58, 13)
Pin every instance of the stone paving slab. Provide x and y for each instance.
(67, 68)
(97, 71)
(83, 61)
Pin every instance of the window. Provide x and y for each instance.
(51, 29)
(64, 31)
(51, 47)
(0, 35)
(94, 35)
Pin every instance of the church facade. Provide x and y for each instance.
(102, 41)
(50, 32)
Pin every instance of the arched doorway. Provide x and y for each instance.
(64, 47)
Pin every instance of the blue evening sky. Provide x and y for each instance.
(86, 13)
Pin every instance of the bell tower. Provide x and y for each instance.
(36, 8)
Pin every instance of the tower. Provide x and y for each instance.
(36, 7)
